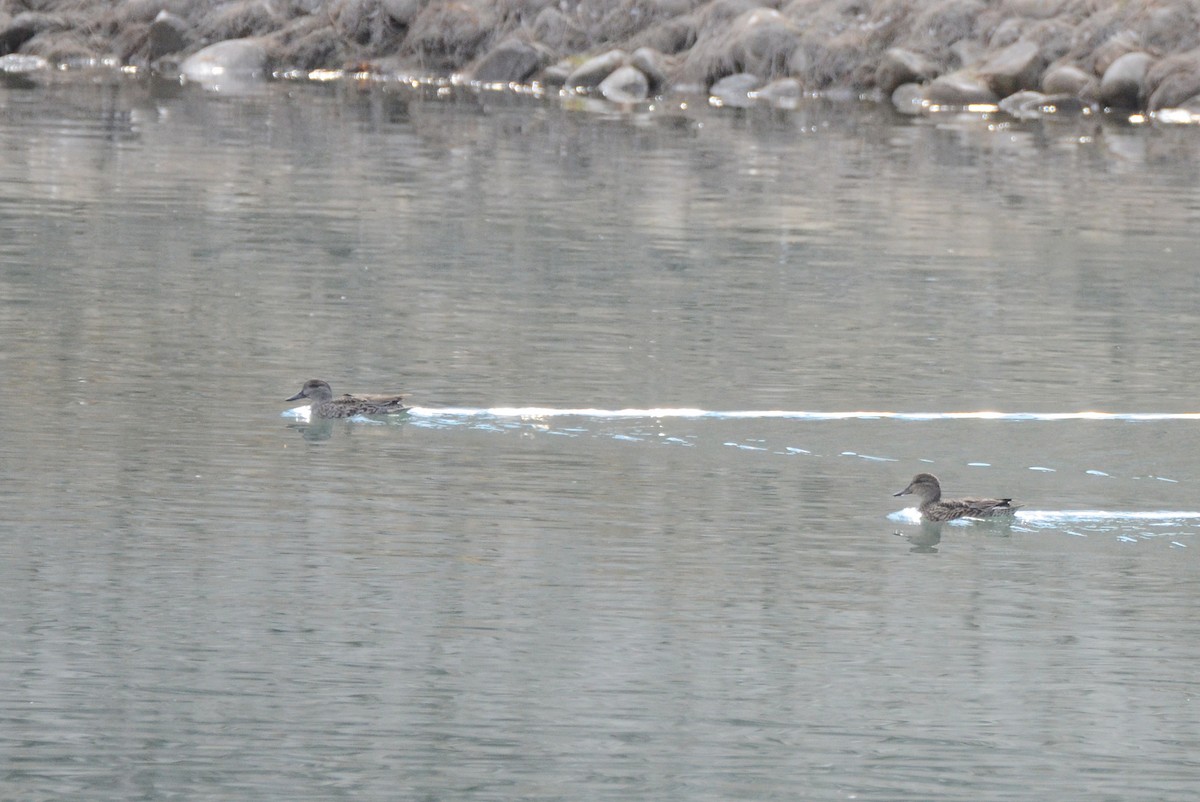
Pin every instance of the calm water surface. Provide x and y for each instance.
(204, 598)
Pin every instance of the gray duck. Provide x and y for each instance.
(324, 405)
(933, 507)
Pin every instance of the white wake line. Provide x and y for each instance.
(1105, 515)
(684, 412)
(913, 515)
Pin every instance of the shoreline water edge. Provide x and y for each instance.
(1028, 58)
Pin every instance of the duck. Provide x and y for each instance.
(324, 405)
(933, 507)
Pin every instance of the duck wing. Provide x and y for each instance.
(348, 405)
(951, 509)
(371, 398)
(988, 507)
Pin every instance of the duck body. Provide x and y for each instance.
(933, 507)
(324, 405)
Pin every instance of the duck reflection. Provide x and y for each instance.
(925, 539)
(316, 431)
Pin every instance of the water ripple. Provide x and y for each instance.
(688, 412)
(446, 414)
(1125, 526)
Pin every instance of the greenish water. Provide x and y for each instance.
(203, 598)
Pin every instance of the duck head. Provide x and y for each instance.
(925, 486)
(314, 389)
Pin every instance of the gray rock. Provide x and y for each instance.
(945, 21)
(1068, 79)
(1007, 32)
(625, 85)
(909, 98)
(652, 64)
(1016, 67)
(591, 72)
(761, 41)
(13, 35)
(1117, 45)
(557, 74)
(41, 22)
(66, 48)
(511, 61)
(1173, 81)
(28, 24)
(1169, 28)
(782, 92)
(167, 35)
(308, 43)
(1023, 105)
(670, 35)
(899, 66)
(734, 90)
(1124, 83)
(130, 11)
(556, 30)
(234, 61)
(961, 88)
(446, 36)
(401, 12)
(243, 19)
(967, 52)
(1034, 9)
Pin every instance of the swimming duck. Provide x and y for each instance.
(324, 405)
(925, 486)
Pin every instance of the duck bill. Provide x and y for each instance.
(904, 492)
(296, 397)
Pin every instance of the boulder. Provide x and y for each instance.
(1018, 66)
(168, 34)
(557, 31)
(556, 74)
(782, 93)
(734, 90)
(909, 98)
(25, 26)
(511, 61)
(899, 66)
(13, 35)
(238, 19)
(1068, 79)
(1115, 46)
(625, 85)
(760, 41)
(130, 11)
(234, 61)
(591, 72)
(1124, 83)
(967, 52)
(1023, 105)
(308, 44)
(400, 12)
(445, 36)
(961, 88)
(652, 64)
(1172, 82)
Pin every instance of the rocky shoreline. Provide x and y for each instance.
(1029, 57)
